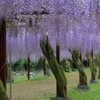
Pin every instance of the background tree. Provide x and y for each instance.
(98, 61)
(77, 62)
(93, 69)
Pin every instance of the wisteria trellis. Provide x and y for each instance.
(73, 24)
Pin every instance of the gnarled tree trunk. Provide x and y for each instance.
(93, 69)
(82, 75)
(55, 67)
(98, 61)
(44, 66)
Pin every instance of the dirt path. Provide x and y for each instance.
(37, 90)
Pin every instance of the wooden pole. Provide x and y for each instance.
(28, 75)
(3, 53)
(92, 75)
(10, 77)
(92, 54)
(58, 59)
(81, 57)
(80, 80)
(43, 66)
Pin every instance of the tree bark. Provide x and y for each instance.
(58, 60)
(3, 95)
(98, 61)
(82, 75)
(92, 74)
(55, 67)
(92, 67)
(43, 65)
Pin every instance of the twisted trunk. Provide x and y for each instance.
(93, 68)
(82, 75)
(98, 61)
(55, 67)
(44, 66)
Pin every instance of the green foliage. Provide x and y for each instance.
(65, 64)
(18, 65)
(38, 65)
(21, 65)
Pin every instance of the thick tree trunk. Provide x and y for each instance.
(92, 67)
(82, 75)
(55, 67)
(99, 74)
(92, 74)
(98, 61)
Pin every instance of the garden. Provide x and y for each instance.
(41, 87)
(49, 43)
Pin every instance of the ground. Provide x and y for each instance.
(42, 89)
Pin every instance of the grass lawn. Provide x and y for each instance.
(43, 87)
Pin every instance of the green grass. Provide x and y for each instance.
(75, 94)
(39, 78)
(92, 94)
(79, 94)
(23, 78)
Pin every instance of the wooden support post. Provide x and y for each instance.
(92, 75)
(28, 75)
(92, 54)
(3, 53)
(43, 66)
(58, 59)
(81, 57)
(80, 80)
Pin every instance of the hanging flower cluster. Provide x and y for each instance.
(71, 24)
